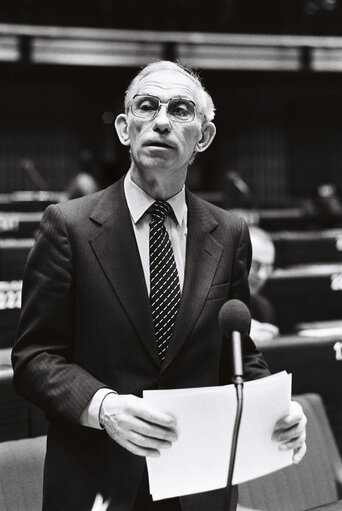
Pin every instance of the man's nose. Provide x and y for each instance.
(161, 120)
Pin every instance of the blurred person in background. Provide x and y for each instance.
(82, 184)
(264, 322)
(116, 301)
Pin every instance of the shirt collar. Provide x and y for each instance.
(139, 201)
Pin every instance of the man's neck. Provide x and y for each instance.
(157, 186)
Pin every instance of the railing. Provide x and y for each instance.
(114, 47)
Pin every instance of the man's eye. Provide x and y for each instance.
(147, 106)
(180, 111)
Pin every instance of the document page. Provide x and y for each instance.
(198, 461)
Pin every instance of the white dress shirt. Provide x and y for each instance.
(138, 203)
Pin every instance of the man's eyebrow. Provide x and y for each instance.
(183, 97)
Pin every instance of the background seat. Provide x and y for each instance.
(315, 367)
(21, 474)
(18, 417)
(315, 481)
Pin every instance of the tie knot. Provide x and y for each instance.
(160, 209)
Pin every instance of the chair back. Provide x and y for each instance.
(315, 481)
(21, 474)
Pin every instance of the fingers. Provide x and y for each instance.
(136, 426)
(299, 454)
(148, 429)
(295, 416)
(141, 433)
(285, 435)
(136, 444)
(292, 442)
(148, 443)
(290, 432)
(139, 408)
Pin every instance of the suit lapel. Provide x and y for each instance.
(117, 252)
(202, 257)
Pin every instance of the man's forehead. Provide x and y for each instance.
(168, 83)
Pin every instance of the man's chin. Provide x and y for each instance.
(255, 289)
(154, 161)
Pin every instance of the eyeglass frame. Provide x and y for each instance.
(160, 103)
(258, 266)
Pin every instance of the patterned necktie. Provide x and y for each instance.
(164, 280)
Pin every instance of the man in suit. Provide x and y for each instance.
(121, 293)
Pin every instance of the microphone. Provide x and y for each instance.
(234, 321)
(237, 190)
(31, 170)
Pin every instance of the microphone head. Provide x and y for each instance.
(234, 316)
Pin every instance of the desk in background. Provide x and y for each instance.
(309, 292)
(307, 247)
(316, 366)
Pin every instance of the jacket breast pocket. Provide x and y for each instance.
(219, 292)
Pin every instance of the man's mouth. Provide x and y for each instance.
(163, 145)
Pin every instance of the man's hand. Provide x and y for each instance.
(137, 427)
(290, 431)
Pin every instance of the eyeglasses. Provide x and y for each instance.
(266, 268)
(178, 109)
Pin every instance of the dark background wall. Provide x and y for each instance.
(281, 131)
(320, 17)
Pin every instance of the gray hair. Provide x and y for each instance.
(207, 107)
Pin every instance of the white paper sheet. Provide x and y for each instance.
(198, 461)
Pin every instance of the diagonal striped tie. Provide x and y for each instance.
(164, 280)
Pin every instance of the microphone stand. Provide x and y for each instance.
(238, 382)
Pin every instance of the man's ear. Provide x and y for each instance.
(208, 134)
(121, 127)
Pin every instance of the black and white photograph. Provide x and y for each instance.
(171, 255)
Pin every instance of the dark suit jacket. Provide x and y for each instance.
(86, 324)
(262, 309)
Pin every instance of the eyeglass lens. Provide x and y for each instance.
(259, 266)
(179, 109)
